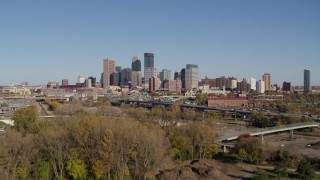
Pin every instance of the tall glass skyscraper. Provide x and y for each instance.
(192, 76)
(149, 70)
(306, 80)
(148, 60)
(136, 72)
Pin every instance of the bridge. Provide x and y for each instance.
(272, 130)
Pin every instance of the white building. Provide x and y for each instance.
(260, 87)
(191, 76)
(234, 84)
(81, 79)
(253, 84)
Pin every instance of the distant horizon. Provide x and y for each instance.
(45, 41)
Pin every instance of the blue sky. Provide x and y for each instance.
(43, 41)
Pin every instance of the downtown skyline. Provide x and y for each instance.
(47, 41)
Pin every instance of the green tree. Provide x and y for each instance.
(305, 171)
(76, 168)
(281, 169)
(242, 155)
(43, 170)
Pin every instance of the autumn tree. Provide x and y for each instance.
(25, 119)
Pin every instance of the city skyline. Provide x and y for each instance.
(48, 41)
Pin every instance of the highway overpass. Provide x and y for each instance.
(264, 131)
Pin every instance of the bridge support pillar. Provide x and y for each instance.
(262, 138)
(224, 149)
(291, 134)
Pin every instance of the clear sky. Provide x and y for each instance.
(43, 41)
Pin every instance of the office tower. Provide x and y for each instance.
(80, 79)
(267, 81)
(176, 75)
(118, 69)
(93, 81)
(148, 60)
(65, 82)
(136, 79)
(88, 83)
(253, 84)
(183, 78)
(115, 79)
(109, 67)
(126, 76)
(260, 86)
(191, 76)
(165, 74)
(149, 69)
(307, 80)
(286, 86)
(154, 84)
(233, 84)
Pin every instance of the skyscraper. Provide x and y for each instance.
(148, 60)
(109, 67)
(266, 77)
(165, 74)
(136, 72)
(149, 70)
(306, 80)
(260, 86)
(192, 76)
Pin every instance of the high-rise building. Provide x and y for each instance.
(149, 72)
(266, 77)
(88, 83)
(307, 80)
(253, 84)
(115, 79)
(233, 84)
(136, 63)
(136, 79)
(93, 81)
(260, 86)
(154, 84)
(118, 69)
(109, 67)
(148, 60)
(80, 79)
(165, 74)
(126, 74)
(149, 69)
(65, 82)
(286, 86)
(176, 75)
(183, 78)
(192, 76)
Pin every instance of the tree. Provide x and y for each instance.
(305, 171)
(99, 169)
(242, 155)
(76, 168)
(25, 119)
(281, 169)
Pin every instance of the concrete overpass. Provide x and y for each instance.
(272, 130)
